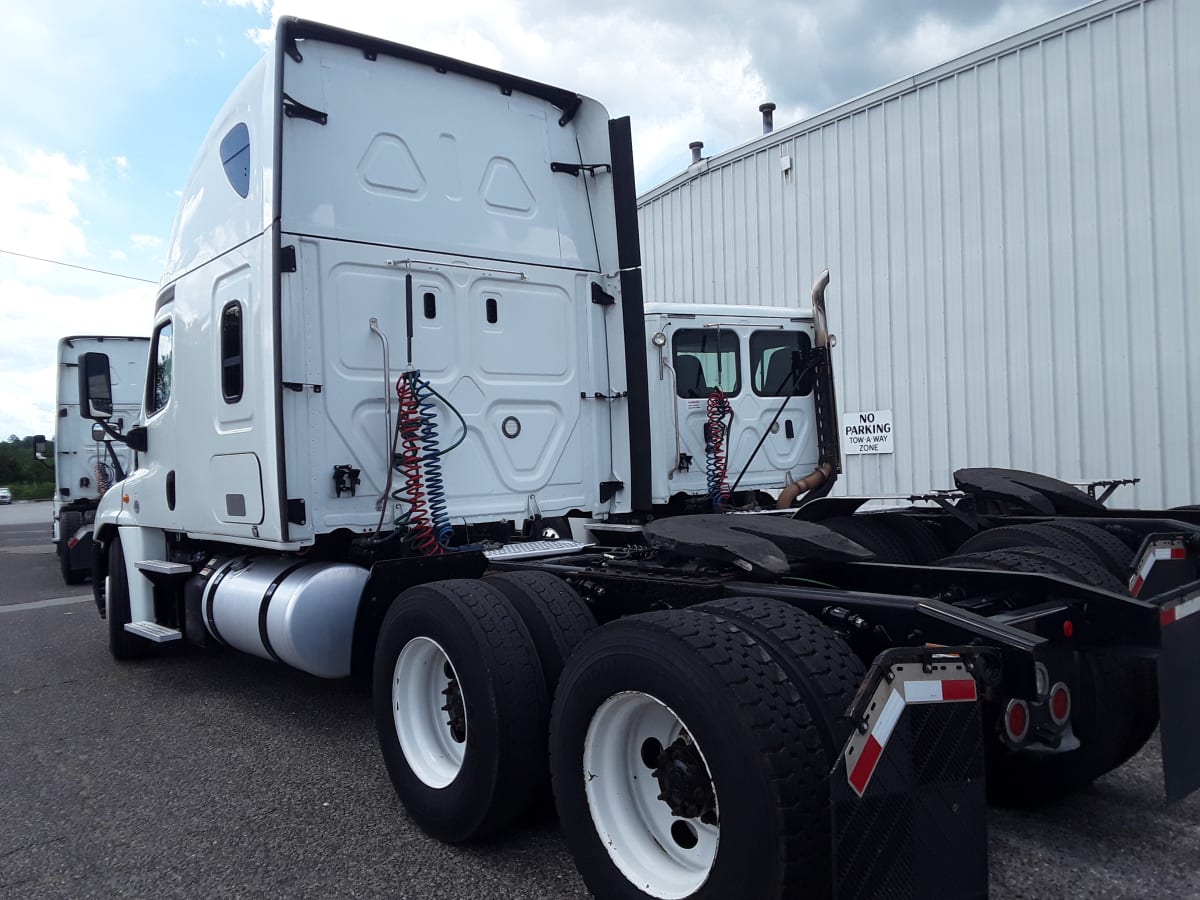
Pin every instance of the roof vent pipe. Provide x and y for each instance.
(696, 147)
(768, 110)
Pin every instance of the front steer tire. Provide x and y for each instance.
(763, 755)
(122, 644)
(502, 765)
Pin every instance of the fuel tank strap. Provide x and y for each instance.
(264, 607)
(209, 616)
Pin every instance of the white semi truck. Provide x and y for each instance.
(400, 354)
(87, 462)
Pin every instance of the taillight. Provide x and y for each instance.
(1016, 720)
(1060, 704)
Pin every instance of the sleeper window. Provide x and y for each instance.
(235, 157)
(231, 352)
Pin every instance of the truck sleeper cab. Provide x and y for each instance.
(87, 461)
(401, 324)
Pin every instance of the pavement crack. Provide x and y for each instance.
(41, 687)
(42, 843)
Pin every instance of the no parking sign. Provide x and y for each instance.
(867, 432)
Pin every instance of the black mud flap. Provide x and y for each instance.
(1178, 684)
(79, 549)
(908, 794)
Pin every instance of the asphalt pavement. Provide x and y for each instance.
(221, 775)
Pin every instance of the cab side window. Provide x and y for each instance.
(704, 359)
(776, 359)
(162, 358)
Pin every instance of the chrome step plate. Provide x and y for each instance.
(162, 567)
(152, 631)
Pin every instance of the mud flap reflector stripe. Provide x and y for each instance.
(1157, 551)
(861, 765)
(1174, 613)
(864, 767)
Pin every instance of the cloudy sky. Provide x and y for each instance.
(104, 105)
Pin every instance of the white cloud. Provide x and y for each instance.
(122, 164)
(39, 302)
(118, 255)
(145, 241)
(38, 212)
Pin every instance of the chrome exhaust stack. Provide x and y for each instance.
(820, 480)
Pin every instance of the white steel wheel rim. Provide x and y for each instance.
(422, 726)
(622, 794)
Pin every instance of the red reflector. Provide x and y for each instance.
(958, 689)
(1178, 553)
(1068, 628)
(1016, 719)
(1166, 616)
(1060, 703)
(866, 764)
(72, 542)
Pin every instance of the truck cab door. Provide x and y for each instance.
(155, 492)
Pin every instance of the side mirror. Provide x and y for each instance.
(95, 386)
(39, 447)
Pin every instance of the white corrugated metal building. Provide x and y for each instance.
(1014, 239)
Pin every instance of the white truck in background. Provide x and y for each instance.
(400, 350)
(87, 462)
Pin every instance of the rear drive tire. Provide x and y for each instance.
(820, 665)
(1110, 550)
(1014, 537)
(1104, 708)
(1112, 716)
(558, 619)
(876, 536)
(121, 643)
(460, 708)
(922, 541)
(689, 705)
(1043, 561)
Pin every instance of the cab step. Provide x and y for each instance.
(162, 567)
(152, 631)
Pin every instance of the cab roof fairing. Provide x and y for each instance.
(213, 217)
